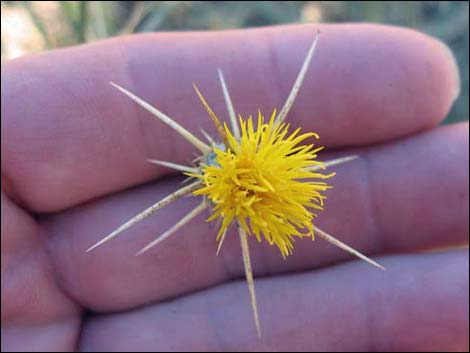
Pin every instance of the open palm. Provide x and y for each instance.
(74, 167)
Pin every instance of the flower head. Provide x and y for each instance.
(262, 178)
(262, 181)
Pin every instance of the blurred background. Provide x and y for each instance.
(32, 26)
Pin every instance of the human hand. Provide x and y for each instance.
(74, 168)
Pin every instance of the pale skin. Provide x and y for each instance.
(74, 167)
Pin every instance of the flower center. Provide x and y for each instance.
(261, 182)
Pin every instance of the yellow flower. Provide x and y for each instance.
(261, 178)
(263, 182)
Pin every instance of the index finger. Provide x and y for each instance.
(67, 136)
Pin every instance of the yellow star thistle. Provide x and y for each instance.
(259, 181)
(261, 178)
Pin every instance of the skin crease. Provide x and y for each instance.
(73, 168)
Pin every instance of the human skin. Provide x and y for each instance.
(73, 159)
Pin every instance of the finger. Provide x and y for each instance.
(56, 336)
(394, 198)
(341, 308)
(68, 136)
(36, 314)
